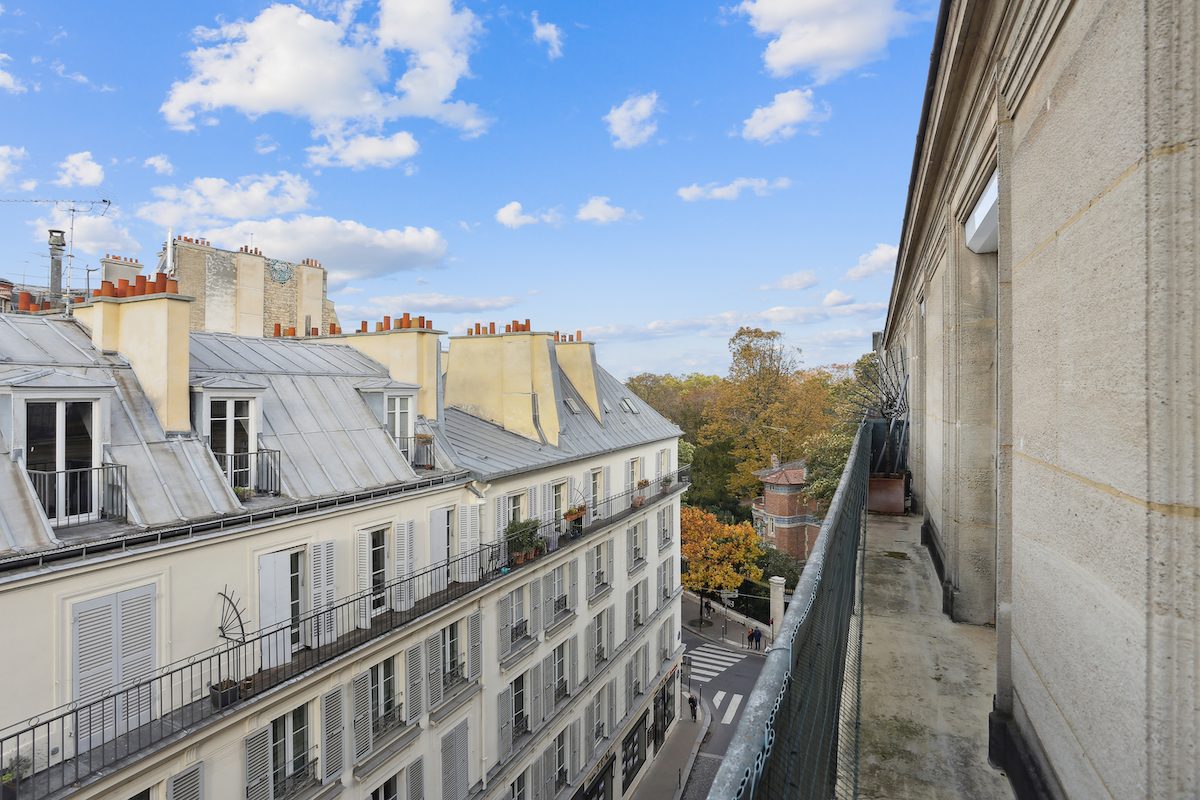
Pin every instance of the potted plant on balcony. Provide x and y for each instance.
(665, 483)
(639, 498)
(522, 536)
(246, 687)
(12, 773)
(243, 493)
(424, 438)
(224, 693)
(573, 516)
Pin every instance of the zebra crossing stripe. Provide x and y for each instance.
(717, 698)
(708, 673)
(731, 710)
(717, 655)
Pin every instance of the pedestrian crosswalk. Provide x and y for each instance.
(731, 709)
(709, 661)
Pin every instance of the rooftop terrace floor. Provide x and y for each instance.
(927, 682)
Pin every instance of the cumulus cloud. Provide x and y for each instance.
(778, 120)
(349, 249)
(732, 190)
(837, 298)
(78, 169)
(28, 185)
(93, 234)
(209, 200)
(160, 164)
(821, 37)
(600, 210)
(548, 34)
(334, 73)
(631, 124)
(512, 215)
(881, 258)
(8, 81)
(361, 151)
(792, 282)
(436, 301)
(10, 161)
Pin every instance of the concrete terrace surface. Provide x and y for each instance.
(927, 682)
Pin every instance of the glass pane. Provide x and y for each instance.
(241, 409)
(77, 455)
(40, 430)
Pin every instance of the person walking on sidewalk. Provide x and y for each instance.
(758, 639)
(749, 638)
(692, 704)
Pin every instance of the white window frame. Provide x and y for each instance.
(392, 415)
(378, 599)
(100, 408)
(514, 507)
(289, 741)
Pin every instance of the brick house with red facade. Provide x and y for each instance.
(783, 516)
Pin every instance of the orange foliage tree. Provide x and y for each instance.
(716, 555)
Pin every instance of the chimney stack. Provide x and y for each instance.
(58, 244)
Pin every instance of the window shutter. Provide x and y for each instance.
(572, 581)
(187, 785)
(535, 608)
(135, 621)
(589, 649)
(500, 519)
(534, 781)
(468, 543)
(449, 776)
(533, 687)
(589, 730)
(612, 706)
(548, 599)
(433, 664)
(629, 537)
(548, 771)
(629, 614)
(259, 776)
(660, 584)
(324, 591)
(589, 568)
(644, 597)
(610, 639)
(360, 688)
(462, 764)
(574, 760)
(641, 470)
(474, 645)
(473, 532)
(413, 678)
(573, 664)
(416, 779)
(609, 575)
(547, 510)
(504, 715)
(332, 750)
(628, 686)
(504, 611)
(402, 595)
(628, 477)
(607, 489)
(548, 687)
(658, 464)
(571, 500)
(363, 572)
(531, 503)
(95, 667)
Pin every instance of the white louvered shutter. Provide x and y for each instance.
(628, 477)
(363, 578)
(573, 664)
(473, 512)
(504, 612)
(589, 649)
(259, 776)
(610, 627)
(574, 760)
(187, 785)
(474, 645)
(571, 499)
(415, 774)
(504, 718)
(612, 706)
(548, 772)
(414, 695)
(629, 686)
(323, 574)
(658, 464)
(95, 668)
(547, 502)
(332, 749)
(548, 687)
(589, 729)
(629, 614)
(533, 687)
(535, 608)
(531, 502)
(462, 763)
(607, 489)
(402, 595)
(548, 599)
(135, 650)
(644, 597)
(534, 781)
(360, 689)
(500, 519)
(572, 582)
(609, 574)
(461, 570)
(641, 470)
(629, 537)
(433, 663)
(589, 570)
(449, 777)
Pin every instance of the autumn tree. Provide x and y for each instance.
(716, 555)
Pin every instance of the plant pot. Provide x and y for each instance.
(519, 557)
(246, 687)
(8, 791)
(637, 501)
(224, 696)
(885, 493)
(575, 529)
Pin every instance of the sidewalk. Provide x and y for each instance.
(668, 770)
(725, 629)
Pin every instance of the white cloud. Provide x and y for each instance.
(792, 282)
(824, 37)
(10, 161)
(436, 301)
(631, 123)
(778, 121)
(600, 210)
(549, 34)
(209, 200)
(881, 258)
(348, 249)
(512, 215)
(837, 298)
(8, 81)
(93, 234)
(264, 144)
(732, 190)
(28, 185)
(60, 69)
(78, 169)
(160, 164)
(332, 72)
(362, 151)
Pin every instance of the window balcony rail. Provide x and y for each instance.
(251, 473)
(417, 450)
(560, 778)
(454, 676)
(560, 690)
(79, 496)
(599, 731)
(78, 741)
(520, 630)
(520, 725)
(296, 784)
(388, 721)
(795, 739)
(601, 655)
(560, 605)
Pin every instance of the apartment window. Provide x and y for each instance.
(601, 638)
(230, 437)
(663, 462)
(599, 560)
(520, 625)
(295, 589)
(289, 751)
(560, 672)
(558, 581)
(598, 712)
(637, 545)
(597, 489)
(639, 604)
(516, 507)
(560, 759)
(61, 447)
(390, 790)
(519, 790)
(378, 556)
(385, 711)
(631, 476)
(633, 754)
(453, 671)
(399, 418)
(520, 718)
(558, 494)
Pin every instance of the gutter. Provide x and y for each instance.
(935, 59)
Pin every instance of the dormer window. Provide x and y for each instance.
(231, 435)
(399, 416)
(62, 456)
(227, 413)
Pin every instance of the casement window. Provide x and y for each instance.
(520, 714)
(232, 437)
(662, 462)
(598, 563)
(515, 507)
(597, 490)
(454, 669)
(378, 570)
(517, 614)
(559, 671)
(386, 712)
(399, 417)
(519, 789)
(560, 759)
(559, 500)
(635, 539)
(635, 608)
(290, 753)
(283, 592)
(558, 590)
(113, 642)
(389, 790)
(631, 474)
(62, 446)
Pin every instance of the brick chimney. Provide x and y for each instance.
(151, 332)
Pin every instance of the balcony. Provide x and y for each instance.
(297, 784)
(78, 496)
(560, 690)
(520, 725)
(387, 722)
(250, 474)
(417, 450)
(453, 677)
(520, 630)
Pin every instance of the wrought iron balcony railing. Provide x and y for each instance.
(453, 676)
(79, 496)
(388, 721)
(560, 689)
(251, 473)
(520, 725)
(520, 630)
(417, 450)
(294, 779)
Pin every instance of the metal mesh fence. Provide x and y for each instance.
(798, 737)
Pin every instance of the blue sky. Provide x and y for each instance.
(655, 174)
